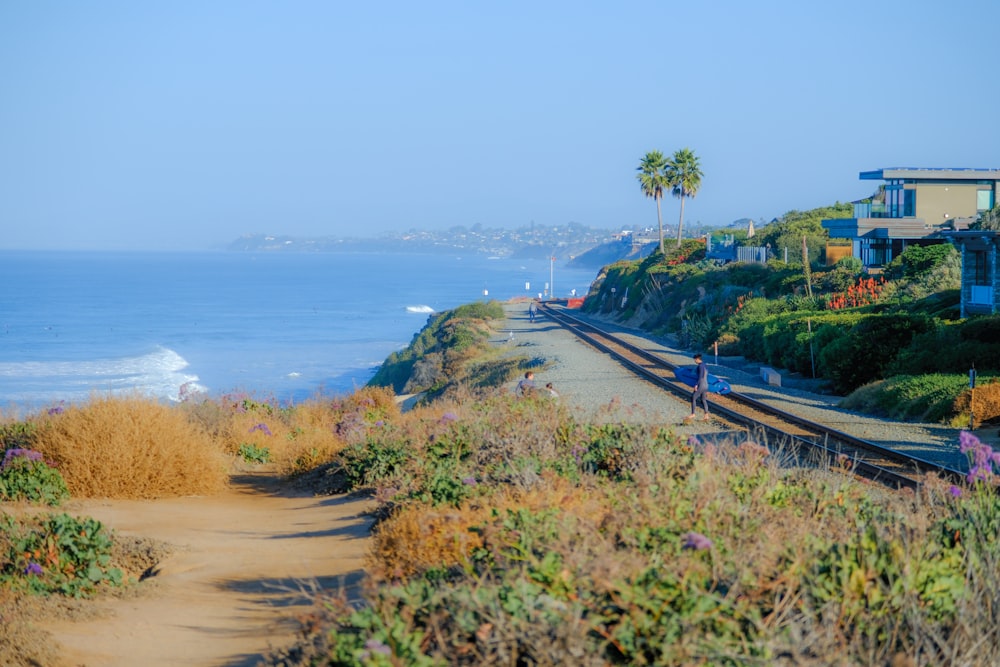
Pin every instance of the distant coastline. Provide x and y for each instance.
(578, 248)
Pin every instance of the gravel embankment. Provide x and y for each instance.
(597, 387)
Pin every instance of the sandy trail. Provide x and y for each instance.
(232, 590)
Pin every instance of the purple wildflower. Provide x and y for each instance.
(968, 441)
(981, 456)
(377, 646)
(578, 451)
(57, 410)
(380, 423)
(955, 491)
(469, 481)
(19, 453)
(33, 568)
(262, 427)
(448, 417)
(696, 541)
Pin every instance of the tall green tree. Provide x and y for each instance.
(684, 175)
(653, 181)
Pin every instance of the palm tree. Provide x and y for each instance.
(653, 181)
(684, 178)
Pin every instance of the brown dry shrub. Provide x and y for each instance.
(985, 400)
(250, 428)
(309, 449)
(379, 401)
(418, 537)
(131, 447)
(317, 430)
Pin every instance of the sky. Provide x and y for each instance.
(184, 124)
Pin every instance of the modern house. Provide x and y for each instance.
(914, 207)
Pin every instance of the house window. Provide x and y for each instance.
(909, 203)
(893, 197)
(979, 276)
(879, 253)
(984, 200)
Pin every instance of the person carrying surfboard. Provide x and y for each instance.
(700, 389)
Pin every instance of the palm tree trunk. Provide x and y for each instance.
(680, 223)
(659, 221)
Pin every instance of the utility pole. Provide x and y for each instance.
(972, 397)
(805, 268)
(552, 284)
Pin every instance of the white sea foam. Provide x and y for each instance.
(419, 309)
(157, 374)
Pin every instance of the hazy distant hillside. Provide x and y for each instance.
(610, 252)
(535, 241)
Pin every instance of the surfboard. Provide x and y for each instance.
(689, 376)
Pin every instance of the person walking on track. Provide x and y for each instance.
(700, 389)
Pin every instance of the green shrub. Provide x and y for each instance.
(17, 435)
(437, 353)
(917, 262)
(926, 398)
(480, 310)
(850, 264)
(864, 354)
(444, 484)
(873, 578)
(925, 270)
(375, 459)
(25, 476)
(252, 453)
(57, 553)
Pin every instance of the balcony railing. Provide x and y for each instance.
(870, 210)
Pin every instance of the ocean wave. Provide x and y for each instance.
(157, 374)
(419, 309)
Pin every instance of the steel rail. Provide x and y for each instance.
(869, 459)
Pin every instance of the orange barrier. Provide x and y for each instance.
(574, 303)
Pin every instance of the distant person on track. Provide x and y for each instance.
(532, 311)
(526, 387)
(552, 390)
(700, 390)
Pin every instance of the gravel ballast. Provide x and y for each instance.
(597, 387)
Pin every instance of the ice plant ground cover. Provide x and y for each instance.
(25, 476)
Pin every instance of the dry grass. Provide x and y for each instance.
(417, 538)
(985, 403)
(131, 448)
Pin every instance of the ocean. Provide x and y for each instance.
(283, 326)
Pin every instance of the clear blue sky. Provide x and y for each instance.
(183, 124)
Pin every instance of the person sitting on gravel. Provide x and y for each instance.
(552, 390)
(526, 386)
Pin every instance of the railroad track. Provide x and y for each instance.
(812, 439)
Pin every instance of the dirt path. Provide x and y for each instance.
(244, 563)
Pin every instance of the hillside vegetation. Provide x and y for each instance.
(512, 532)
(452, 353)
(897, 335)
